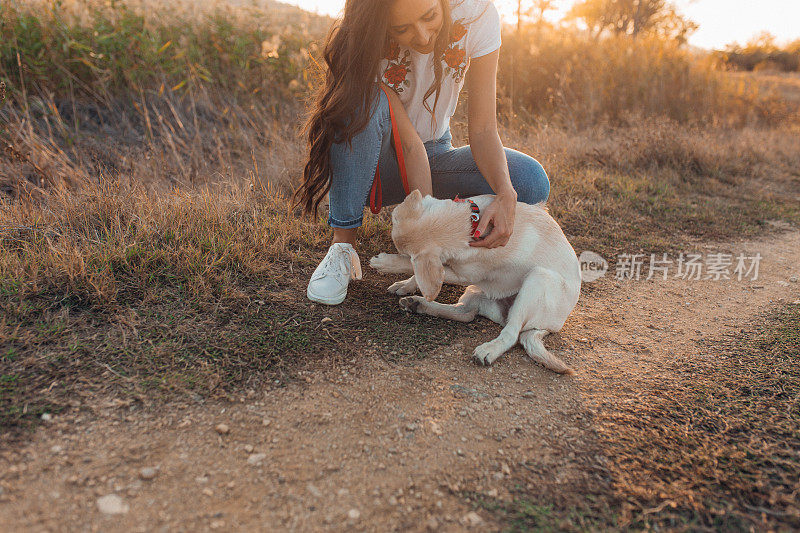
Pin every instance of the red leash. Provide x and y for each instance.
(375, 193)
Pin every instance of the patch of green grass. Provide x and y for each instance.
(115, 49)
(18, 407)
(521, 514)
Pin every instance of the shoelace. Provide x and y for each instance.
(337, 261)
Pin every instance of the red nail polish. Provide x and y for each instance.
(477, 235)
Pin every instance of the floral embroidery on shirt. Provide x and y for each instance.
(398, 68)
(455, 56)
(457, 31)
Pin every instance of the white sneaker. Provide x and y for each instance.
(329, 281)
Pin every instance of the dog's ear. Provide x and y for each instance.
(414, 200)
(429, 274)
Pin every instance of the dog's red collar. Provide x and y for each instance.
(475, 217)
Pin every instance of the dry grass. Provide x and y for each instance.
(578, 82)
(716, 446)
(784, 85)
(709, 444)
(655, 184)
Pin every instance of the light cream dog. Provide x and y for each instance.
(529, 286)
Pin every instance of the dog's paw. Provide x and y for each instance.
(403, 288)
(487, 353)
(411, 303)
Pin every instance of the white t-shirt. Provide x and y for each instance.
(475, 32)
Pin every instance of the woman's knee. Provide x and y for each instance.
(528, 177)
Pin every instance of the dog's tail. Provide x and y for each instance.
(531, 340)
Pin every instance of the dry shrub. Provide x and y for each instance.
(565, 76)
(159, 139)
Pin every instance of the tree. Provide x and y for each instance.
(540, 7)
(633, 17)
(536, 9)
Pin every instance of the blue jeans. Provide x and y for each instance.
(453, 171)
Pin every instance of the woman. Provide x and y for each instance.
(423, 51)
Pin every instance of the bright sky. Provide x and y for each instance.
(721, 21)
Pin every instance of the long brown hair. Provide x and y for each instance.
(341, 106)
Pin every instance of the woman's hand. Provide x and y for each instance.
(500, 213)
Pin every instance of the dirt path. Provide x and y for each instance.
(381, 446)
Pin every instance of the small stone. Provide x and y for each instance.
(529, 394)
(222, 429)
(471, 519)
(460, 452)
(505, 468)
(354, 514)
(266, 422)
(217, 524)
(256, 458)
(148, 473)
(248, 448)
(392, 501)
(326, 319)
(793, 279)
(411, 427)
(436, 428)
(112, 504)
(432, 524)
(208, 492)
(46, 417)
(56, 449)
